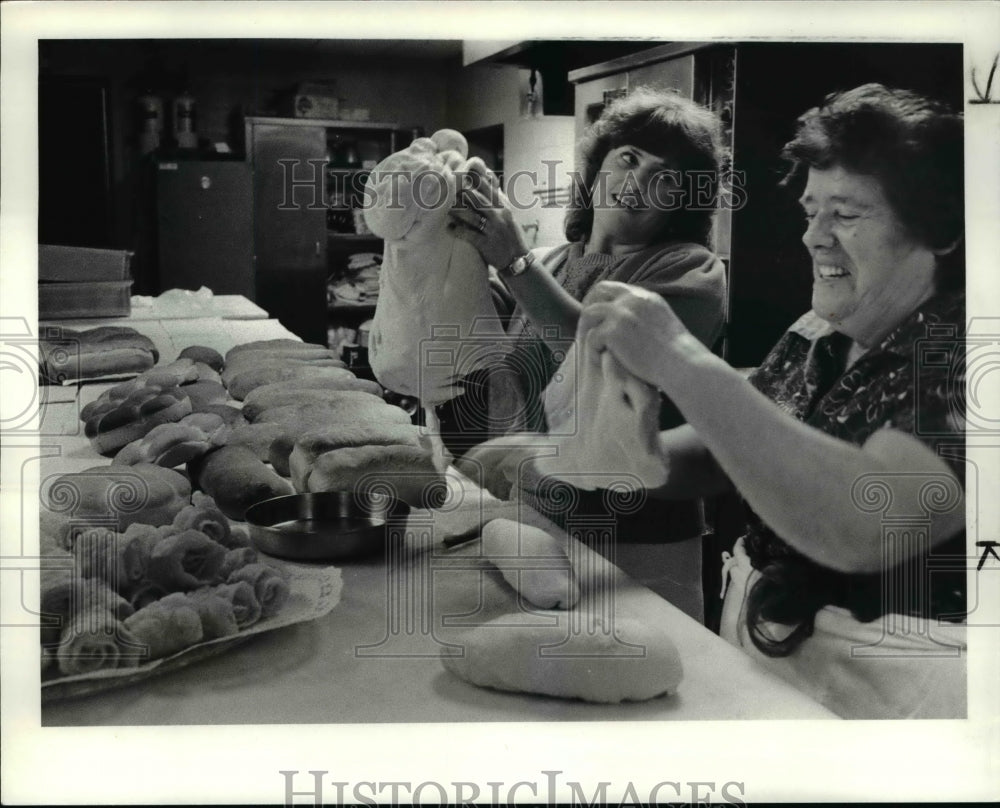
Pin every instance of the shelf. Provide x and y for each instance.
(345, 308)
(352, 237)
(325, 122)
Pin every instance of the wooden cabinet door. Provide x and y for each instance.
(290, 225)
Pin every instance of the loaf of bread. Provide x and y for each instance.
(232, 416)
(173, 374)
(117, 423)
(205, 393)
(291, 429)
(106, 351)
(407, 472)
(249, 378)
(201, 353)
(627, 660)
(258, 439)
(236, 479)
(174, 444)
(533, 562)
(117, 495)
(348, 407)
(252, 359)
(283, 345)
(276, 395)
(312, 444)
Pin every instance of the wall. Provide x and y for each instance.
(230, 78)
(487, 95)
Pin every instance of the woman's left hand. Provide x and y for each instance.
(638, 327)
(486, 222)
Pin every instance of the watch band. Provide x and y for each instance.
(519, 265)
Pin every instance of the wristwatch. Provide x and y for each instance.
(519, 265)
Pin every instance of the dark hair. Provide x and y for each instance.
(911, 144)
(663, 123)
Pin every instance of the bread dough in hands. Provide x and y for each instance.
(435, 321)
(604, 423)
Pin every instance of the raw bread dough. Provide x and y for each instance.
(631, 661)
(435, 317)
(533, 562)
(607, 426)
(496, 464)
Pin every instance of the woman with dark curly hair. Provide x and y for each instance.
(847, 443)
(633, 218)
(642, 209)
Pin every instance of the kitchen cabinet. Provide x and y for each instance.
(308, 181)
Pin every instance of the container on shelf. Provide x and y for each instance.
(64, 301)
(77, 264)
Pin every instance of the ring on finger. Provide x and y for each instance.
(481, 224)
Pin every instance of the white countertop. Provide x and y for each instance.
(318, 672)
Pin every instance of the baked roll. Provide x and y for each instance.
(95, 352)
(405, 472)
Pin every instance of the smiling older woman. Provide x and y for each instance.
(841, 421)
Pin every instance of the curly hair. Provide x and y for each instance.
(668, 125)
(911, 144)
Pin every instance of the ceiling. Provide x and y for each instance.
(422, 49)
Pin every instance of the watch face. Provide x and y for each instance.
(520, 264)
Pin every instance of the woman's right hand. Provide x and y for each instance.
(640, 330)
(484, 219)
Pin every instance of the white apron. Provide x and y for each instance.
(894, 667)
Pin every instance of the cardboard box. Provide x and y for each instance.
(316, 100)
(69, 301)
(78, 264)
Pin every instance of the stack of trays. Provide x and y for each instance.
(78, 282)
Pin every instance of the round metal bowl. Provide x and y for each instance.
(328, 526)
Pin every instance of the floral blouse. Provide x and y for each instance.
(914, 382)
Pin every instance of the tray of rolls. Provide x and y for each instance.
(148, 562)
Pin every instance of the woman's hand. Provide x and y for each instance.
(640, 330)
(486, 222)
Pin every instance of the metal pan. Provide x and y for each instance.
(328, 526)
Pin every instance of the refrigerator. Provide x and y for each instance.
(205, 226)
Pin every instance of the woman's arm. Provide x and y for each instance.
(500, 241)
(800, 481)
(691, 470)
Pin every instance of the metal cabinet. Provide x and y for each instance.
(289, 222)
(204, 226)
(301, 212)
